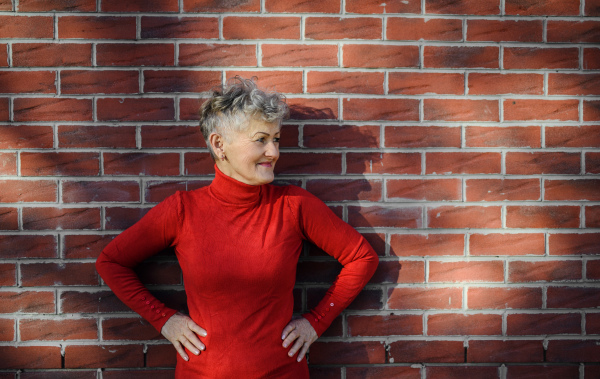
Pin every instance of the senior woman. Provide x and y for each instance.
(238, 241)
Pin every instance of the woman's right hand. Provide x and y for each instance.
(182, 332)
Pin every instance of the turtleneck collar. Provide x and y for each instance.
(232, 191)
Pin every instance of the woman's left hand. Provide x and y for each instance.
(302, 332)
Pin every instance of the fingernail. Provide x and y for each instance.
(186, 359)
(285, 345)
(196, 352)
(282, 336)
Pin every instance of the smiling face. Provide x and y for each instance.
(250, 154)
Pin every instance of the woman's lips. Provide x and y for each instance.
(266, 164)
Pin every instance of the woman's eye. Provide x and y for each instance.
(276, 139)
(261, 140)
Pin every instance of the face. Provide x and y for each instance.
(251, 153)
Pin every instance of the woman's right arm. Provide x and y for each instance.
(156, 231)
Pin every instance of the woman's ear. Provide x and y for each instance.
(216, 143)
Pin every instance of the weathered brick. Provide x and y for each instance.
(309, 163)
(128, 329)
(591, 110)
(144, 109)
(61, 218)
(17, 191)
(583, 189)
(538, 271)
(431, 29)
(77, 246)
(129, 54)
(180, 81)
(514, 372)
(28, 246)
(210, 6)
(481, 351)
(198, 164)
(28, 82)
(472, 271)
(379, 372)
(573, 351)
(381, 109)
(542, 216)
(377, 216)
(26, 136)
(424, 189)
(4, 115)
(26, 26)
(291, 55)
(419, 83)
(422, 136)
(320, 136)
(573, 297)
(399, 272)
(573, 31)
(464, 163)
(77, 82)
(495, 84)
(8, 164)
(540, 58)
(236, 27)
(347, 352)
(504, 30)
(100, 191)
(30, 357)
(52, 109)
(96, 136)
(427, 244)
(457, 372)
(506, 244)
(8, 278)
(281, 81)
(140, 6)
(461, 57)
(377, 7)
(424, 298)
(375, 56)
(179, 27)
(313, 109)
(378, 163)
(121, 218)
(96, 27)
(592, 216)
(574, 244)
(543, 324)
(161, 136)
(518, 163)
(591, 58)
(58, 330)
(90, 302)
(546, 8)
(92, 356)
(464, 324)
(161, 356)
(27, 302)
(141, 164)
(464, 217)
(489, 7)
(502, 189)
(362, 326)
(504, 136)
(504, 297)
(217, 55)
(60, 164)
(7, 333)
(345, 82)
(322, 28)
(51, 54)
(574, 84)
(300, 6)
(460, 110)
(573, 136)
(345, 190)
(57, 6)
(427, 351)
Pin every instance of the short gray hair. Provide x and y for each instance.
(233, 104)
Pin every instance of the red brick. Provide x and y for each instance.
(344, 190)
(461, 56)
(545, 8)
(6, 5)
(179, 27)
(161, 136)
(380, 372)
(51, 54)
(100, 191)
(210, 6)
(8, 164)
(427, 351)
(7, 333)
(502, 189)
(198, 164)
(9, 219)
(26, 136)
(504, 297)
(505, 351)
(543, 324)
(52, 109)
(30, 357)
(16, 191)
(492, 84)
(505, 30)
(92, 82)
(121, 218)
(376, 216)
(217, 55)
(129, 54)
(460, 372)
(316, 136)
(584, 189)
(27, 302)
(490, 7)
(159, 273)
(573, 297)
(61, 164)
(374, 56)
(461, 324)
(160, 356)
(506, 244)
(573, 84)
(128, 329)
(573, 351)
(505, 136)
(422, 136)
(90, 302)
(101, 27)
(460, 110)
(345, 82)
(431, 29)
(85, 246)
(377, 242)
(574, 244)
(104, 356)
(180, 81)
(573, 136)
(280, 81)
(299, 55)
(4, 116)
(420, 83)
(26, 27)
(137, 374)
(592, 323)
(361, 326)
(592, 216)
(424, 189)
(61, 218)
(28, 81)
(592, 163)
(381, 109)
(592, 8)
(538, 371)
(261, 27)
(471, 271)
(8, 277)
(141, 164)
(347, 352)
(144, 109)
(399, 272)
(157, 191)
(377, 7)
(58, 330)
(140, 6)
(464, 217)
(28, 246)
(321, 28)
(309, 163)
(74, 136)
(573, 31)
(300, 6)
(591, 110)
(3, 55)
(313, 109)
(540, 58)
(591, 58)
(542, 216)
(591, 370)
(427, 244)
(464, 163)
(518, 163)
(537, 271)
(424, 298)
(593, 270)
(57, 5)
(379, 163)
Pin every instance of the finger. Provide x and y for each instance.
(303, 351)
(188, 345)
(290, 338)
(180, 350)
(197, 329)
(297, 345)
(194, 340)
(287, 330)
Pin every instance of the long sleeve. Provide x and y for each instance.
(156, 231)
(321, 226)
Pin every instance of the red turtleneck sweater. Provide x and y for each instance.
(238, 247)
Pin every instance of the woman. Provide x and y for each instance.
(238, 242)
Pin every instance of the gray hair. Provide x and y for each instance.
(232, 105)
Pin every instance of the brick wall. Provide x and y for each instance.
(462, 138)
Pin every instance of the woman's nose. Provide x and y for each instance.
(272, 150)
